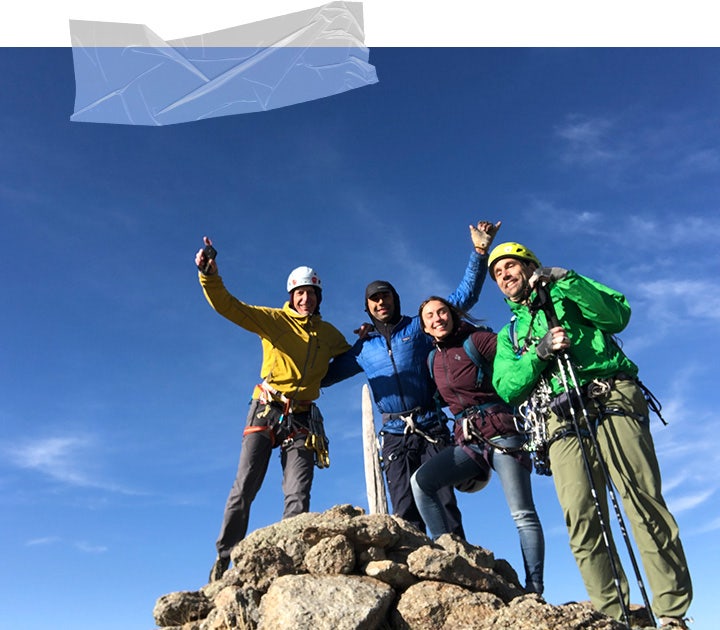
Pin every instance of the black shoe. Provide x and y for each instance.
(218, 569)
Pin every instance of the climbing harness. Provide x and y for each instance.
(291, 423)
(471, 421)
(408, 417)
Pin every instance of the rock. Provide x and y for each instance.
(177, 609)
(440, 565)
(393, 573)
(259, 569)
(343, 569)
(235, 609)
(334, 555)
(434, 605)
(286, 534)
(325, 603)
(476, 556)
(532, 613)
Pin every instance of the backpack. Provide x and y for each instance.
(483, 367)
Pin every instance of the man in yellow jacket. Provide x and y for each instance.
(297, 348)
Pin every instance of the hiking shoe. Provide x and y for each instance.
(673, 623)
(639, 617)
(218, 569)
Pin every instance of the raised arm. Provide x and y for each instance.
(468, 291)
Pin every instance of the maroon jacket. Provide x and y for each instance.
(455, 374)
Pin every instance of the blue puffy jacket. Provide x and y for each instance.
(398, 375)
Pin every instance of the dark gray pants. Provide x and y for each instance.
(297, 464)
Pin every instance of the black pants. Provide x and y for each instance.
(402, 456)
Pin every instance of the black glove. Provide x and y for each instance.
(547, 274)
(544, 347)
(208, 255)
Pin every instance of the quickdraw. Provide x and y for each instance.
(316, 440)
(533, 414)
(411, 427)
(408, 418)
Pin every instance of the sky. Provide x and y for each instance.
(123, 395)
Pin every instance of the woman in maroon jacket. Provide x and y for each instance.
(485, 432)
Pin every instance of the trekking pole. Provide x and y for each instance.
(564, 367)
(613, 496)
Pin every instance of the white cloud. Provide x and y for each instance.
(688, 502)
(47, 540)
(673, 300)
(587, 140)
(67, 460)
(83, 546)
(711, 526)
(89, 548)
(702, 160)
(665, 233)
(638, 147)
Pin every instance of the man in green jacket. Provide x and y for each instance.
(589, 314)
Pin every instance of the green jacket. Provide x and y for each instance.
(589, 312)
(296, 348)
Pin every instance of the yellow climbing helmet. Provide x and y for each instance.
(510, 250)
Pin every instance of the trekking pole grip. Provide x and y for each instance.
(544, 302)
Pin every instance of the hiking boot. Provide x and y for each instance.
(639, 617)
(673, 623)
(218, 569)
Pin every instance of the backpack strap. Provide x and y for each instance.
(478, 359)
(512, 333)
(430, 360)
(437, 398)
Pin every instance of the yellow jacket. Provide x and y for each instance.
(296, 348)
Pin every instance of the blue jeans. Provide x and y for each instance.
(453, 465)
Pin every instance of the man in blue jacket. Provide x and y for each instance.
(394, 358)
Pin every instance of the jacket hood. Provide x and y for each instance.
(289, 310)
(376, 287)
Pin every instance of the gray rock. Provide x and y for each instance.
(439, 565)
(432, 605)
(325, 603)
(393, 573)
(259, 569)
(177, 609)
(332, 556)
(343, 569)
(235, 609)
(532, 613)
(476, 556)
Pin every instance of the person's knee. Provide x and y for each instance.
(525, 518)
(421, 481)
(415, 484)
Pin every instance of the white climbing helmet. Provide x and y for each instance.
(303, 277)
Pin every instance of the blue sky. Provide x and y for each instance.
(124, 394)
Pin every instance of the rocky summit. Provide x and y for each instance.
(345, 570)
